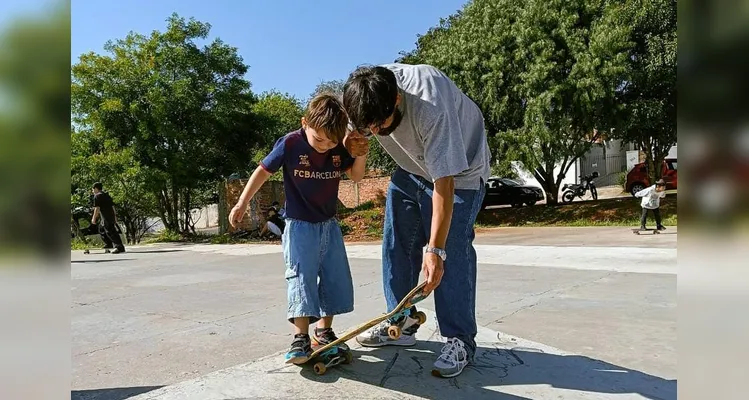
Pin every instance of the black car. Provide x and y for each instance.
(503, 191)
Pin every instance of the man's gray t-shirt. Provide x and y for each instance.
(442, 132)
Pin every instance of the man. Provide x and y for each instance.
(436, 135)
(104, 206)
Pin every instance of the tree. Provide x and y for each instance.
(94, 158)
(277, 114)
(544, 73)
(378, 160)
(648, 95)
(183, 110)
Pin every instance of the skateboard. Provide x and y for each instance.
(106, 251)
(333, 354)
(639, 231)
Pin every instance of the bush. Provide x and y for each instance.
(622, 180)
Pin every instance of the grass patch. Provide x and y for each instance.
(366, 221)
(622, 211)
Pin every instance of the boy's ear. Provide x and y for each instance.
(304, 123)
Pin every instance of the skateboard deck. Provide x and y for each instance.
(103, 251)
(333, 354)
(639, 231)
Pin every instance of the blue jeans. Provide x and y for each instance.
(408, 217)
(312, 251)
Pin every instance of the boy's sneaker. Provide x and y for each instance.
(326, 336)
(453, 359)
(378, 335)
(300, 349)
(661, 228)
(118, 251)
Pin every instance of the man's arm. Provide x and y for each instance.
(96, 216)
(442, 211)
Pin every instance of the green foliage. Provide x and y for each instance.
(544, 73)
(277, 114)
(335, 87)
(96, 158)
(180, 112)
(648, 96)
(621, 180)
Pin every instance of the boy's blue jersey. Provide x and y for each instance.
(310, 178)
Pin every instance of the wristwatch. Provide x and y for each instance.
(441, 253)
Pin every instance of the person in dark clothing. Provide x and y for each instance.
(104, 206)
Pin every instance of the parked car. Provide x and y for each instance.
(503, 191)
(637, 178)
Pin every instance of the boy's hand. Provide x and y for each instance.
(356, 144)
(236, 215)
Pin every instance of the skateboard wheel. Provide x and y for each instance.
(319, 368)
(348, 358)
(421, 317)
(394, 332)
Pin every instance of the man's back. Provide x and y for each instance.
(106, 206)
(442, 132)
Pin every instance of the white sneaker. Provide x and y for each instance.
(378, 335)
(453, 359)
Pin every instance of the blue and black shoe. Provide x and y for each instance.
(300, 350)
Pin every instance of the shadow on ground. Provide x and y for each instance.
(499, 372)
(111, 394)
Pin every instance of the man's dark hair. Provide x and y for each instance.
(98, 186)
(369, 95)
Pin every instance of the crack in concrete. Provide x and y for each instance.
(388, 368)
(556, 292)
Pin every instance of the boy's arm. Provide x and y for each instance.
(643, 192)
(256, 181)
(96, 215)
(356, 172)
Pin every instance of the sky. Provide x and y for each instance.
(290, 46)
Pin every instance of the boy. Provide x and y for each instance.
(274, 222)
(313, 159)
(651, 200)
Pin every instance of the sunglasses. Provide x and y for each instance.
(366, 132)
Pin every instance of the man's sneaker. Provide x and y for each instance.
(118, 251)
(300, 349)
(661, 228)
(325, 336)
(378, 335)
(453, 359)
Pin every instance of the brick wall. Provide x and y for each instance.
(255, 214)
(370, 189)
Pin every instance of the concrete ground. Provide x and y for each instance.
(563, 312)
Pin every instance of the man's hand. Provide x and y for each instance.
(93, 221)
(236, 215)
(433, 269)
(356, 144)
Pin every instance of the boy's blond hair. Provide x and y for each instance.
(325, 114)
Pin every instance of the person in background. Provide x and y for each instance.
(651, 201)
(104, 206)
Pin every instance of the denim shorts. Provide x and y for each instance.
(318, 275)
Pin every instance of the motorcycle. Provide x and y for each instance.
(570, 191)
